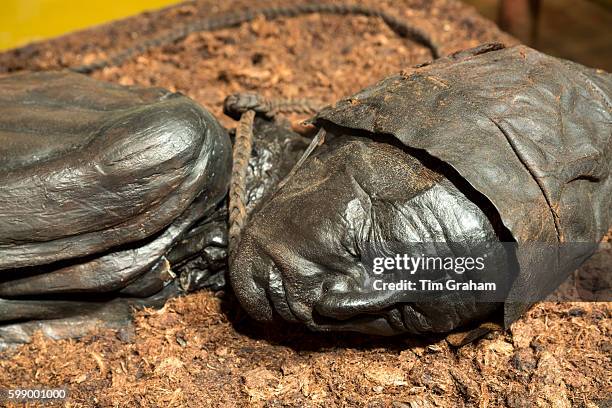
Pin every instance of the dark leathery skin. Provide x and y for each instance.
(106, 272)
(142, 267)
(298, 258)
(275, 151)
(529, 131)
(523, 137)
(99, 183)
(101, 165)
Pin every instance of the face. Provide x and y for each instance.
(302, 256)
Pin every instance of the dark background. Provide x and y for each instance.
(580, 30)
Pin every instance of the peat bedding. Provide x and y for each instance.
(200, 350)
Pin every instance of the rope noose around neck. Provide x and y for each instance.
(229, 20)
(247, 105)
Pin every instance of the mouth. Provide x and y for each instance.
(398, 319)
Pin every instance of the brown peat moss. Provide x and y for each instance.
(201, 350)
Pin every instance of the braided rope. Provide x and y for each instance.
(238, 103)
(228, 20)
(247, 105)
(237, 193)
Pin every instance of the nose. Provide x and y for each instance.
(344, 305)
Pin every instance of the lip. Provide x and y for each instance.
(388, 320)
